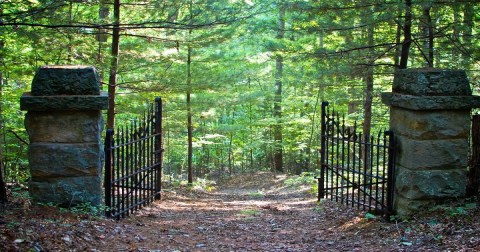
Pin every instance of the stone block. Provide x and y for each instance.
(66, 80)
(64, 127)
(431, 82)
(414, 102)
(64, 160)
(432, 154)
(422, 125)
(431, 184)
(67, 192)
(54, 103)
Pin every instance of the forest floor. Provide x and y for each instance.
(249, 212)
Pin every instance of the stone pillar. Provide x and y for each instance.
(64, 123)
(430, 116)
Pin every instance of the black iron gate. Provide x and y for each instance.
(356, 170)
(133, 164)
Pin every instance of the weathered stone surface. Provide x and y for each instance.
(49, 160)
(431, 102)
(50, 103)
(424, 125)
(64, 126)
(430, 115)
(64, 123)
(67, 191)
(407, 207)
(431, 82)
(431, 184)
(432, 154)
(66, 80)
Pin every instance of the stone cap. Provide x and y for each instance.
(66, 80)
(414, 102)
(431, 82)
(64, 102)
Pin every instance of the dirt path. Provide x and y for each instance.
(251, 212)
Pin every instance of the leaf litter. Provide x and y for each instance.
(248, 212)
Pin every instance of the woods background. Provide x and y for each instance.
(242, 81)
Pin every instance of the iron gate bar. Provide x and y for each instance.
(356, 186)
(133, 164)
(355, 169)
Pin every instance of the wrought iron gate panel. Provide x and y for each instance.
(356, 170)
(133, 164)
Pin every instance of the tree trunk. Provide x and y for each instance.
(101, 36)
(396, 59)
(428, 34)
(3, 189)
(456, 35)
(367, 122)
(474, 169)
(189, 106)
(277, 107)
(467, 35)
(368, 78)
(112, 80)
(69, 34)
(103, 13)
(189, 118)
(407, 35)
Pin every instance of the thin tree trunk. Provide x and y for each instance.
(101, 36)
(189, 106)
(312, 129)
(112, 80)
(3, 189)
(277, 107)
(398, 35)
(250, 126)
(69, 34)
(474, 169)
(428, 33)
(407, 35)
(189, 118)
(456, 35)
(368, 78)
(103, 13)
(467, 35)
(367, 122)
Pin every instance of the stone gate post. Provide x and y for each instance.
(430, 115)
(64, 123)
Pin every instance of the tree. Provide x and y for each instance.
(112, 80)
(189, 103)
(252, 72)
(368, 78)
(3, 189)
(428, 35)
(277, 104)
(407, 35)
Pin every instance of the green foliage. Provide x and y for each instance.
(369, 216)
(455, 210)
(306, 178)
(87, 208)
(234, 43)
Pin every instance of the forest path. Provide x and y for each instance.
(249, 212)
